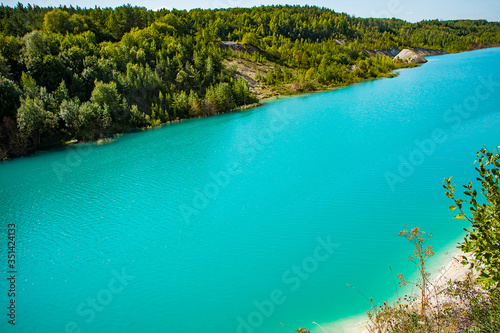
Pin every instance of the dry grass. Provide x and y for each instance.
(461, 306)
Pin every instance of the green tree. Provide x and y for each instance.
(137, 118)
(77, 23)
(30, 88)
(241, 92)
(195, 105)
(10, 49)
(57, 21)
(141, 85)
(61, 93)
(34, 50)
(251, 38)
(34, 120)
(224, 96)
(50, 72)
(180, 104)
(106, 96)
(95, 120)
(9, 102)
(69, 111)
(4, 67)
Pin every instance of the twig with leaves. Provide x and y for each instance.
(483, 238)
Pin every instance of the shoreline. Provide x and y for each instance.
(444, 270)
(274, 98)
(246, 107)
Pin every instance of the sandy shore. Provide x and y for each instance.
(452, 271)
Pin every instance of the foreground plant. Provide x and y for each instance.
(420, 256)
(471, 305)
(399, 317)
(303, 330)
(483, 238)
(474, 309)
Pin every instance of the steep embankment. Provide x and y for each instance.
(249, 71)
(407, 55)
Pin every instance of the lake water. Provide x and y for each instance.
(254, 221)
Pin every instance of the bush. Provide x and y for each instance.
(483, 239)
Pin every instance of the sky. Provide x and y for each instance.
(409, 10)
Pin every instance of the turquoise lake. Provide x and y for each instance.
(253, 221)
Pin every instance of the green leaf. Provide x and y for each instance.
(452, 208)
(459, 216)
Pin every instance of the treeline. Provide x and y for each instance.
(71, 73)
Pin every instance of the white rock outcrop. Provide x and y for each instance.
(411, 56)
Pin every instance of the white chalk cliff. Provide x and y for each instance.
(411, 56)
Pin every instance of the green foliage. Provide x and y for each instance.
(69, 111)
(34, 119)
(137, 118)
(28, 83)
(95, 120)
(10, 48)
(34, 51)
(140, 85)
(251, 38)
(471, 304)
(57, 21)
(483, 238)
(61, 93)
(168, 64)
(4, 67)
(106, 95)
(241, 93)
(462, 306)
(9, 101)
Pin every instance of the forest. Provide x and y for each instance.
(82, 74)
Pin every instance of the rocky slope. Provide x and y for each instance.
(428, 52)
(394, 51)
(407, 55)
